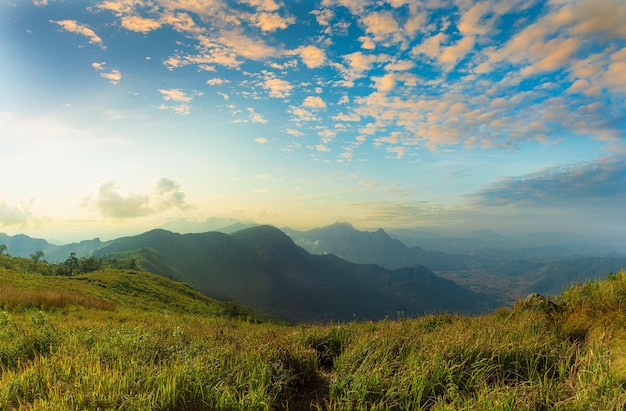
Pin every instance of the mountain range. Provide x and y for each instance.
(335, 272)
(261, 267)
(377, 247)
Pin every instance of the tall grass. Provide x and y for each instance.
(12, 297)
(136, 359)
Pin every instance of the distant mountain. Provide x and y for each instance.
(262, 267)
(377, 247)
(21, 245)
(489, 244)
(223, 225)
(554, 277)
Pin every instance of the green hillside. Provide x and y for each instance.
(23, 287)
(127, 340)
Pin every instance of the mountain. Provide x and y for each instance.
(263, 268)
(223, 225)
(21, 245)
(556, 276)
(376, 247)
(489, 244)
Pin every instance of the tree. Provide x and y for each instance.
(3, 248)
(37, 256)
(89, 264)
(69, 266)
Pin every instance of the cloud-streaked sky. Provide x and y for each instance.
(117, 116)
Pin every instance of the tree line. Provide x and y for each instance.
(74, 265)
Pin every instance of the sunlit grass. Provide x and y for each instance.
(153, 356)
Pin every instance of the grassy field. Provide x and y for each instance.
(133, 341)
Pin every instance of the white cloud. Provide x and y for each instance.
(166, 195)
(327, 135)
(272, 21)
(314, 102)
(217, 81)
(256, 117)
(260, 140)
(311, 56)
(21, 215)
(265, 5)
(451, 54)
(278, 88)
(383, 27)
(347, 117)
(140, 24)
(113, 75)
(73, 26)
(301, 114)
(181, 99)
(175, 95)
(431, 47)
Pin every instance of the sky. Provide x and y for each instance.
(118, 116)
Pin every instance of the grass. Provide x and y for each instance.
(162, 346)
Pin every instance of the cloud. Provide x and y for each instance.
(359, 63)
(260, 140)
(140, 24)
(247, 47)
(112, 204)
(311, 56)
(217, 81)
(272, 21)
(21, 216)
(327, 135)
(568, 185)
(256, 117)
(74, 27)
(383, 27)
(314, 102)
(451, 54)
(431, 47)
(181, 99)
(605, 17)
(113, 75)
(278, 88)
(266, 5)
(301, 114)
(166, 195)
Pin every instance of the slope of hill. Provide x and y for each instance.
(23, 287)
(262, 267)
(147, 353)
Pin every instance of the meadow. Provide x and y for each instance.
(129, 340)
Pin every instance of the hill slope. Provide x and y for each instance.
(262, 267)
(537, 355)
(109, 290)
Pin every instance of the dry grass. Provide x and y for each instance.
(13, 297)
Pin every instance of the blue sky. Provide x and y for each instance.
(117, 116)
